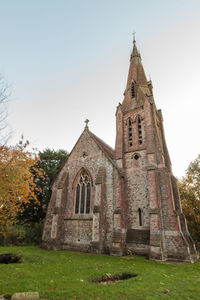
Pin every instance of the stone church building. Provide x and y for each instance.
(121, 200)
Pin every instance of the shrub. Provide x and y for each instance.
(26, 234)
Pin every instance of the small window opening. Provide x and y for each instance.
(139, 130)
(140, 216)
(130, 137)
(133, 90)
(136, 156)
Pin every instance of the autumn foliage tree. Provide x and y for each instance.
(17, 185)
(50, 161)
(189, 188)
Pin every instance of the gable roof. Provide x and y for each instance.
(107, 150)
(110, 151)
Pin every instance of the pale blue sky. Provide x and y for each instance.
(68, 61)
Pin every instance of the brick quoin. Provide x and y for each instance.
(134, 203)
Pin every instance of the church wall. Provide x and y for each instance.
(81, 230)
(78, 232)
(136, 190)
(138, 235)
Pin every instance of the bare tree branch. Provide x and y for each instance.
(5, 93)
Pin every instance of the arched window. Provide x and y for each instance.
(139, 124)
(130, 133)
(140, 216)
(83, 191)
(132, 90)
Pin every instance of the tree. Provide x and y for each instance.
(51, 162)
(17, 185)
(189, 188)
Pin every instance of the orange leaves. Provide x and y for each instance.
(17, 184)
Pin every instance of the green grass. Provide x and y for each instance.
(67, 275)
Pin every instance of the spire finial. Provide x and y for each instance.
(134, 41)
(135, 52)
(86, 123)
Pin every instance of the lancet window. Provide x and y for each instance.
(83, 194)
(132, 90)
(140, 216)
(130, 133)
(139, 124)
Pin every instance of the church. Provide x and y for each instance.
(123, 200)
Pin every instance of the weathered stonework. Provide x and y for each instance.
(134, 202)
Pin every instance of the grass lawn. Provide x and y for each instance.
(67, 275)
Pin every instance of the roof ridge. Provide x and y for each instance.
(102, 142)
(109, 155)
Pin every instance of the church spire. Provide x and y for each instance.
(136, 78)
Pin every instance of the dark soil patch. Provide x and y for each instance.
(7, 296)
(108, 278)
(165, 292)
(9, 258)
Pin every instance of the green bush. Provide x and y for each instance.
(34, 233)
(26, 234)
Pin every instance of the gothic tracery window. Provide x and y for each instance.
(83, 194)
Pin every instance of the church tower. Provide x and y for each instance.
(154, 222)
(122, 200)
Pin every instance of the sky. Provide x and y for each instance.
(68, 60)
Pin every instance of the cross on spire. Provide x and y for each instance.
(134, 36)
(86, 123)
